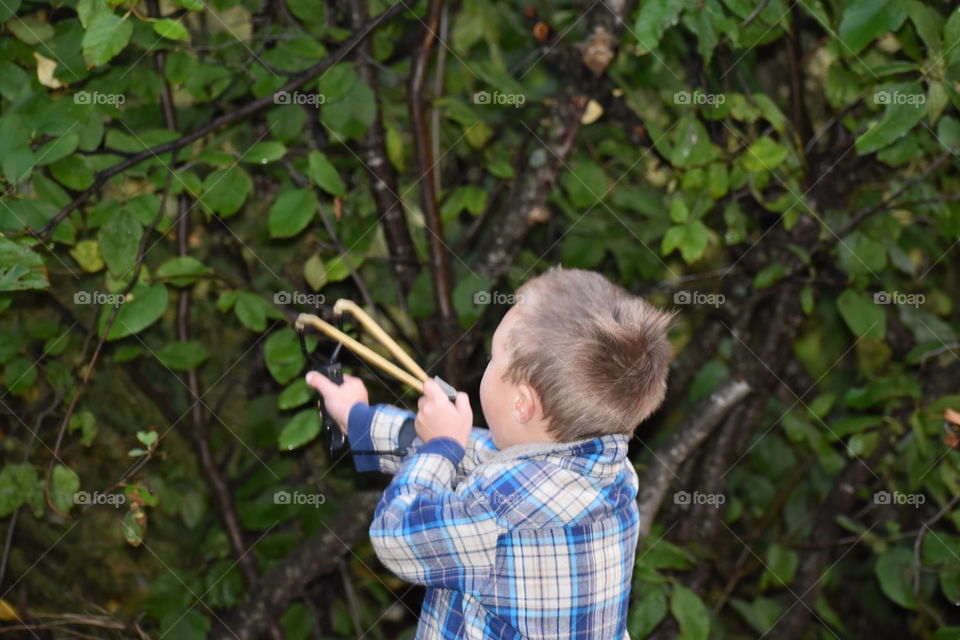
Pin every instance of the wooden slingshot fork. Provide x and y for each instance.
(413, 377)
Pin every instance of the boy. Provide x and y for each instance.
(528, 529)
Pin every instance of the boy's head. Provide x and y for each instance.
(577, 357)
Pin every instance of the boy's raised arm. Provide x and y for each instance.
(384, 427)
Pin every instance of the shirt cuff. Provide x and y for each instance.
(358, 432)
(446, 447)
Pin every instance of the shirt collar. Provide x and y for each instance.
(591, 454)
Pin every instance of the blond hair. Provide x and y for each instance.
(596, 355)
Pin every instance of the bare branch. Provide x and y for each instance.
(688, 436)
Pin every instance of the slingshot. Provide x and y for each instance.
(414, 377)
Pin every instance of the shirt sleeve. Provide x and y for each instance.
(428, 533)
(480, 441)
(378, 428)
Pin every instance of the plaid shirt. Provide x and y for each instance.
(535, 541)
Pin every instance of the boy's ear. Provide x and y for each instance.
(526, 403)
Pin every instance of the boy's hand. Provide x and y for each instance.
(438, 417)
(339, 398)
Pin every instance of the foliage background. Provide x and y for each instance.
(784, 173)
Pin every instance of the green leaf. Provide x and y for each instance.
(718, 180)
(471, 198)
(927, 22)
(806, 299)
(295, 395)
(648, 611)
(291, 213)
(586, 183)
(781, 565)
(905, 107)
(8, 9)
(325, 175)
(264, 152)
(30, 30)
(693, 146)
(678, 210)
(18, 165)
(225, 190)
(172, 29)
(19, 375)
(337, 81)
(951, 38)
(769, 276)
(134, 526)
(298, 622)
(666, 555)
(303, 428)
(107, 36)
(937, 100)
(182, 356)
(894, 569)
(64, 483)
(691, 238)
(181, 271)
(86, 423)
(765, 154)
(283, 356)
(193, 5)
(690, 612)
(653, 19)
(87, 255)
(859, 253)
(119, 242)
(145, 306)
(87, 9)
(251, 310)
(395, 147)
(20, 268)
(865, 318)
(59, 147)
(19, 483)
(352, 115)
(761, 614)
(865, 20)
(318, 272)
(74, 172)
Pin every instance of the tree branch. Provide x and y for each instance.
(684, 441)
(403, 256)
(439, 254)
(317, 556)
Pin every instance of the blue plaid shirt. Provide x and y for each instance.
(534, 541)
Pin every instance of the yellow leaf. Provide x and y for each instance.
(592, 113)
(315, 272)
(7, 612)
(45, 69)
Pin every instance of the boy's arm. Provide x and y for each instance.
(428, 533)
(384, 427)
(381, 428)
